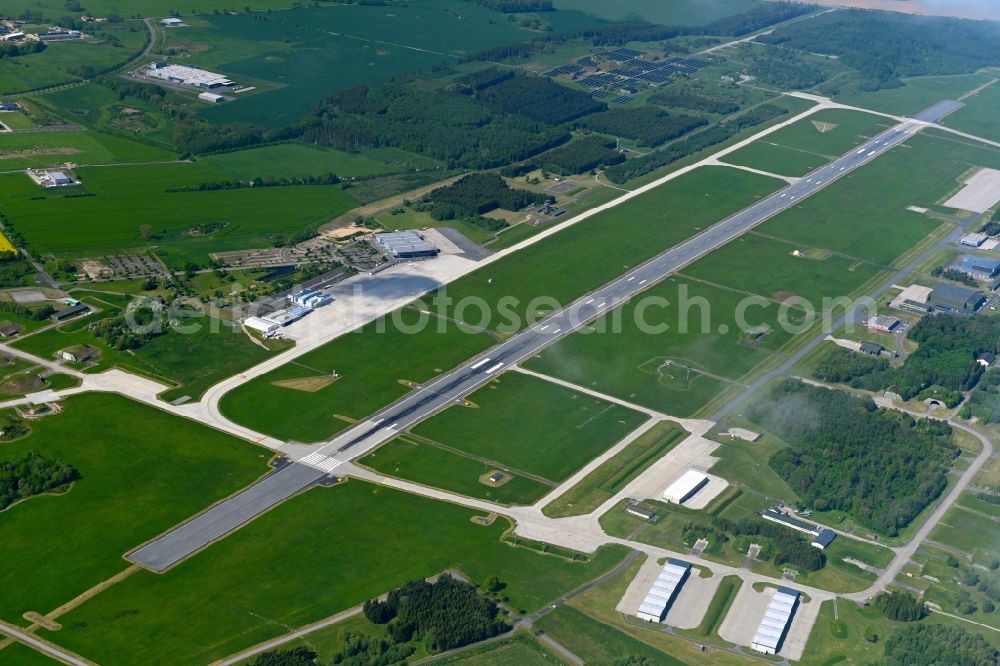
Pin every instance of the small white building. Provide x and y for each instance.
(211, 97)
(263, 325)
(664, 590)
(685, 487)
(68, 356)
(171, 22)
(774, 625)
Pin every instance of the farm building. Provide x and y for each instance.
(47, 178)
(211, 97)
(9, 106)
(405, 244)
(59, 35)
(171, 22)
(685, 487)
(979, 268)
(955, 299)
(496, 477)
(777, 618)
(188, 76)
(823, 539)
(78, 309)
(871, 348)
(882, 324)
(259, 324)
(973, 240)
(788, 521)
(664, 590)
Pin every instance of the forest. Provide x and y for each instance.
(946, 357)
(582, 155)
(445, 614)
(678, 150)
(13, 49)
(984, 400)
(881, 467)
(883, 46)
(540, 99)
(479, 193)
(900, 606)
(132, 329)
(935, 644)
(516, 6)
(785, 68)
(792, 548)
(32, 474)
(647, 124)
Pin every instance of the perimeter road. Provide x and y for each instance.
(452, 386)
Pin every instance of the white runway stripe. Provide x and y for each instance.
(313, 458)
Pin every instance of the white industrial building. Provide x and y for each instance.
(188, 76)
(172, 22)
(211, 97)
(664, 590)
(260, 324)
(777, 619)
(685, 487)
(310, 298)
(405, 244)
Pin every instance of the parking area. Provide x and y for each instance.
(690, 606)
(748, 609)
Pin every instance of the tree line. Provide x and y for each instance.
(648, 125)
(881, 467)
(687, 99)
(900, 606)
(584, 154)
(479, 193)
(32, 474)
(516, 6)
(935, 644)
(540, 99)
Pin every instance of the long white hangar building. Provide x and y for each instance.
(664, 590)
(778, 617)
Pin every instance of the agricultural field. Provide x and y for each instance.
(141, 471)
(967, 530)
(348, 379)
(531, 425)
(312, 52)
(395, 538)
(521, 649)
(21, 150)
(130, 208)
(595, 251)
(976, 117)
(682, 12)
(810, 143)
(677, 369)
(290, 160)
(596, 642)
(431, 465)
(68, 61)
(616, 472)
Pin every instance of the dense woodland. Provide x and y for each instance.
(784, 68)
(516, 6)
(476, 194)
(946, 357)
(131, 330)
(881, 467)
(13, 49)
(935, 645)
(582, 155)
(792, 547)
(900, 606)
(678, 150)
(540, 99)
(696, 101)
(984, 401)
(648, 125)
(32, 474)
(445, 614)
(883, 46)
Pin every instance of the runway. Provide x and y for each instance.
(453, 386)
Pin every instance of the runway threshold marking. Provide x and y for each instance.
(494, 368)
(481, 363)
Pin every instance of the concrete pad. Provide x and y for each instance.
(990, 244)
(440, 241)
(743, 433)
(744, 616)
(693, 451)
(691, 604)
(42, 397)
(802, 625)
(637, 589)
(915, 292)
(27, 296)
(708, 492)
(981, 192)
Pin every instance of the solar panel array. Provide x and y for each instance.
(776, 620)
(623, 99)
(599, 80)
(601, 94)
(622, 54)
(564, 69)
(587, 61)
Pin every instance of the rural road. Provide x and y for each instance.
(452, 386)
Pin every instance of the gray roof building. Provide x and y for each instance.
(405, 244)
(955, 299)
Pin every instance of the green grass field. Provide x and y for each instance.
(521, 649)
(595, 251)
(864, 215)
(676, 370)
(295, 159)
(680, 12)
(126, 198)
(977, 117)
(726, 593)
(614, 473)
(16, 120)
(595, 642)
(917, 94)
(21, 150)
(968, 531)
(433, 466)
(312, 571)
(369, 365)
(532, 425)
(141, 470)
(810, 279)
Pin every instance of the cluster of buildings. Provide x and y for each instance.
(188, 76)
(47, 178)
(301, 303)
(10, 31)
(947, 298)
(821, 536)
(405, 245)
